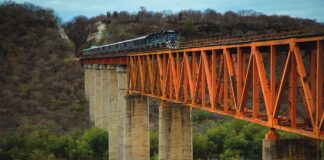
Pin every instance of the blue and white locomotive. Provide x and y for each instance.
(164, 39)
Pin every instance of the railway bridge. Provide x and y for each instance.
(274, 80)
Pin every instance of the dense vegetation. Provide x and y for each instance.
(225, 140)
(39, 84)
(41, 144)
(230, 139)
(43, 113)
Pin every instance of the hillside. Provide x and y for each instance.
(39, 86)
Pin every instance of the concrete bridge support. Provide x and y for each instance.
(98, 103)
(136, 134)
(122, 102)
(175, 132)
(92, 92)
(115, 142)
(126, 118)
(105, 97)
(88, 87)
(87, 69)
(274, 148)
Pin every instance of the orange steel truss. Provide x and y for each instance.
(275, 83)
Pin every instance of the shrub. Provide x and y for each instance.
(154, 143)
(97, 139)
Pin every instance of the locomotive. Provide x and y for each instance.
(164, 39)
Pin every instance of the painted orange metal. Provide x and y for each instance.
(220, 80)
(272, 134)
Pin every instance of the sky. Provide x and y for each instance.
(67, 9)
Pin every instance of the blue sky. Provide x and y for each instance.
(67, 9)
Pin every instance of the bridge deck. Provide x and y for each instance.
(274, 83)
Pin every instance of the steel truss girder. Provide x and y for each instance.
(240, 81)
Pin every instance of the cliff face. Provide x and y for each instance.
(39, 88)
(100, 34)
(62, 33)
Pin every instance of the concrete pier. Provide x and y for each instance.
(98, 103)
(292, 149)
(114, 115)
(175, 132)
(105, 98)
(87, 69)
(122, 85)
(92, 93)
(136, 134)
(126, 118)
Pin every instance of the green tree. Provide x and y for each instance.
(97, 139)
(230, 155)
(154, 143)
(60, 146)
(217, 136)
(200, 146)
(80, 151)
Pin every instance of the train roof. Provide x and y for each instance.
(107, 45)
(138, 38)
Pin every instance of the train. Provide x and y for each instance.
(164, 39)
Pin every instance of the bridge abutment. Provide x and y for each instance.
(175, 132)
